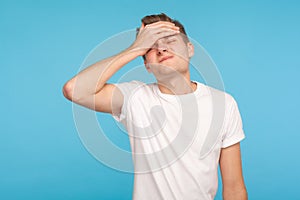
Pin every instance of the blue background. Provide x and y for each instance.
(43, 43)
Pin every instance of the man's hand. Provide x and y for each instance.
(150, 33)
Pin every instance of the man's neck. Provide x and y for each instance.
(177, 85)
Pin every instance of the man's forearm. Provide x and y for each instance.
(240, 194)
(92, 79)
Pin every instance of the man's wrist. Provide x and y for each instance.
(136, 50)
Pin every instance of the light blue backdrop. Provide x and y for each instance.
(43, 43)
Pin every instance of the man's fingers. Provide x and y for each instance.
(166, 34)
(162, 31)
(149, 34)
(162, 24)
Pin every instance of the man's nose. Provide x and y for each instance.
(161, 47)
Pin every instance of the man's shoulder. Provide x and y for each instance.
(215, 93)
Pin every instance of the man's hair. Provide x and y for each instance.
(149, 19)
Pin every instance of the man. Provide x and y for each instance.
(180, 130)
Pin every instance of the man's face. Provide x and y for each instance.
(169, 54)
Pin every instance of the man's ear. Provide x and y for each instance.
(190, 47)
(147, 66)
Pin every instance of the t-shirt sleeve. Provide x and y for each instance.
(127, 89)
(234, 132)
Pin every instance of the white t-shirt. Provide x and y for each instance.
(176, 139)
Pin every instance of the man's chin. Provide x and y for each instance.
(163, 68)
(162, 72)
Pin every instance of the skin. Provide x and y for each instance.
(156, 42)
(232, 176)
(168, 60)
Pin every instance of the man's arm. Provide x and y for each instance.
(89, 87)
(232, 177)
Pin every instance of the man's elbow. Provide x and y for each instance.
(68, 90)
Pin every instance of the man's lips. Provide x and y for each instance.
(165, 58)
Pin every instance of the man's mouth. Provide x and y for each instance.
(165, 58)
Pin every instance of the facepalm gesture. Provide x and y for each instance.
(149, 34)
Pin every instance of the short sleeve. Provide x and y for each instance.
(234, 132)
(126, 89)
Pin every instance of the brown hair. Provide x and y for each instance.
(149, 19)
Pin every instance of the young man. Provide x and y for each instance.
(179, 130)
